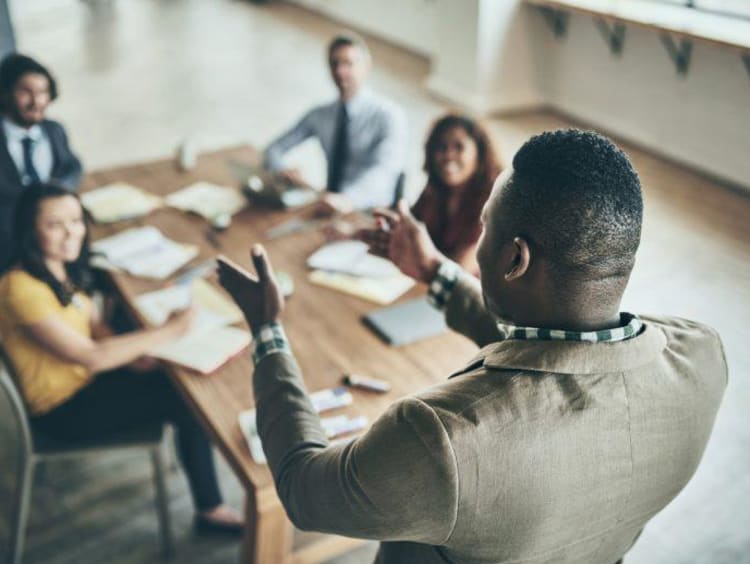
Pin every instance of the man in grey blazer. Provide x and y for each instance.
(573, 425)
(32, 148)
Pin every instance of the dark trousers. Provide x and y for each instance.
(122, 399)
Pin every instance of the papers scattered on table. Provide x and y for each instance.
(381, 291)
(291, 226)
(144, 251)
(208, 200)
(351, 257)
(348, 267)
(157, 306)
(118, 201)
(210, 342)
(206, 348)
(335, 427)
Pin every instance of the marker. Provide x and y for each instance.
(371, 384)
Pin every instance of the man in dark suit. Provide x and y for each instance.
(32, 148)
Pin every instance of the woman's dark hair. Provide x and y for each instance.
(28, 252)
(452, 233)
(13, 67)
(488, 164)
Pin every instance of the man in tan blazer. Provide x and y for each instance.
(571, 428)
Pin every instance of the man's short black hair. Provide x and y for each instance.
(349, 39)
(13, 67)
(575, 195)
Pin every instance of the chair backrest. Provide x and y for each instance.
(15, 455)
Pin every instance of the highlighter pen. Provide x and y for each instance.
(370, 384)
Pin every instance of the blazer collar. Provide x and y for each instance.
(571, 357)
(7, 165)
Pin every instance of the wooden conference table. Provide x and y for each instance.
(324, 327)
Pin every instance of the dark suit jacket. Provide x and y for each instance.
(537, 452)
(66, 170)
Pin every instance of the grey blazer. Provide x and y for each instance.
(66, 170)
(537, 451)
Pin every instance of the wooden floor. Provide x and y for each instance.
(137, 76)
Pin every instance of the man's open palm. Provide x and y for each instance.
(259, 298)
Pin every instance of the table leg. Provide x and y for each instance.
(268, 534)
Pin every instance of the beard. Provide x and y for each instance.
(18, 117)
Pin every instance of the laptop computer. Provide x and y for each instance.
(264, 186)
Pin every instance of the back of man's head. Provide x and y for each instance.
(13, 67)
(577, 199)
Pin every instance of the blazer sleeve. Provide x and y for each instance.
(67, 169)
(466, 313)
(397, 482)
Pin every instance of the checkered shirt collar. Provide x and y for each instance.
(630, 326)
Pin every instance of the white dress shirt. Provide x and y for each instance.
(41, 154)
(376, 146)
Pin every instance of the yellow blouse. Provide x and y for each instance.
(45, 379)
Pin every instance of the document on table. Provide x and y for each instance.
(210, 342)
(144, 251)
(381, 291)
(157, 306)
(118, 201)
(351, 257)
(322, 401)
(206, 348)
(208, 200)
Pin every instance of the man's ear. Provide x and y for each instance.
(520, 259)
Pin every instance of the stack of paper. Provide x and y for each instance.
(205, 349)
(211, 341)
(322, 400)
(348, 267)
(118, 201)
(208, 200)
(144, 251)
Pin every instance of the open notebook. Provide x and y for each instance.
(212, 341)
(348, 267)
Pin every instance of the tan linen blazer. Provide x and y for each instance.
(538, 451)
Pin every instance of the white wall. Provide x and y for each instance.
(493, 56)
(409, 23)
(701, 119)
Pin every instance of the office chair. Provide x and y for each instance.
(22, 448)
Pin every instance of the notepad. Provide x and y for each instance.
(207, 200)
(205, 349)
(407, 322)
(118, 201)
(380, 291)
(157, 306)
(210, 342)
(145, 252)
(352, 257)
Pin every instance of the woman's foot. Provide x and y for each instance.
(220, 519)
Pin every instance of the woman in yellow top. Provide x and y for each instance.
(79, 380)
